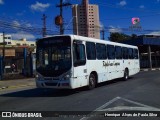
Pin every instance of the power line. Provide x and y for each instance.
(44, 25)
(108, 29)
(122, 18)
(61, 5)
(11, 26)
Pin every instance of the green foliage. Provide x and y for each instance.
(119, 37)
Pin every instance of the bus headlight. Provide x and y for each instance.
(39, 77)
(66, 77)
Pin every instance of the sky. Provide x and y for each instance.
(22, 18)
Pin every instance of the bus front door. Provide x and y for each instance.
(79, 61)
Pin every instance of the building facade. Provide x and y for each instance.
(86, 20)
(14, 52)
(8, 38)
(149, 50)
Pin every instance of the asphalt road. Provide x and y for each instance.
(141, 92)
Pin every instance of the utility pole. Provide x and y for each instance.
(61, 5)
(44, 25)
(103, 34)
(3, 52)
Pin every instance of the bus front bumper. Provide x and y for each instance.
(53, 84)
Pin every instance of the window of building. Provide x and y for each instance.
(118, 51)
(91, 51)
(9, 42)
(32, 44)
(111, 51)
(18, 44)
(24, 44)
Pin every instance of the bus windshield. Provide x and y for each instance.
(53, 56)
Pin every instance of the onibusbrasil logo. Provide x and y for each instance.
(18, 114)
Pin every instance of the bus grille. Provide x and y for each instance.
(50, 78)
(50, 84)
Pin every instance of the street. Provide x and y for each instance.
(140, 92)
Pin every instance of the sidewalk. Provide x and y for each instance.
(17, 83)
(148, 69)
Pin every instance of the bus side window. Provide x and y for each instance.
(135, 53)
(125, 53)
(130, 53)
(111, 51)
(91, 51)
(118, 50)
(79, 54)
(100, 51)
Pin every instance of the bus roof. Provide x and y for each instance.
(77, 37)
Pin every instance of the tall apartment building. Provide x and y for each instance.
(86, 20)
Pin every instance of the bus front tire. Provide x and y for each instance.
(126, 74)
(92, 81)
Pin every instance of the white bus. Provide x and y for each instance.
(71, 61)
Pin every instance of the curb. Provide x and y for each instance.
(153, 69)
(7, 87)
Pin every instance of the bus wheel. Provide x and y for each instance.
(92, 81)
(126, 74)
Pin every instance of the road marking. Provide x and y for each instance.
(139, 107)
(140, 104)
(123, 108)
(102, 107)
(108, 103)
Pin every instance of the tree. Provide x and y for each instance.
(133, 36)
(118, 37)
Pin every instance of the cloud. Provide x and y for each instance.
(157, 33)
(39, 6)
(21, 13)
(22, 34)
(123, 3)
(113, 29)
(101, 26)
(141, 6)
(28, 25)
(16, 24)
(1, 2)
